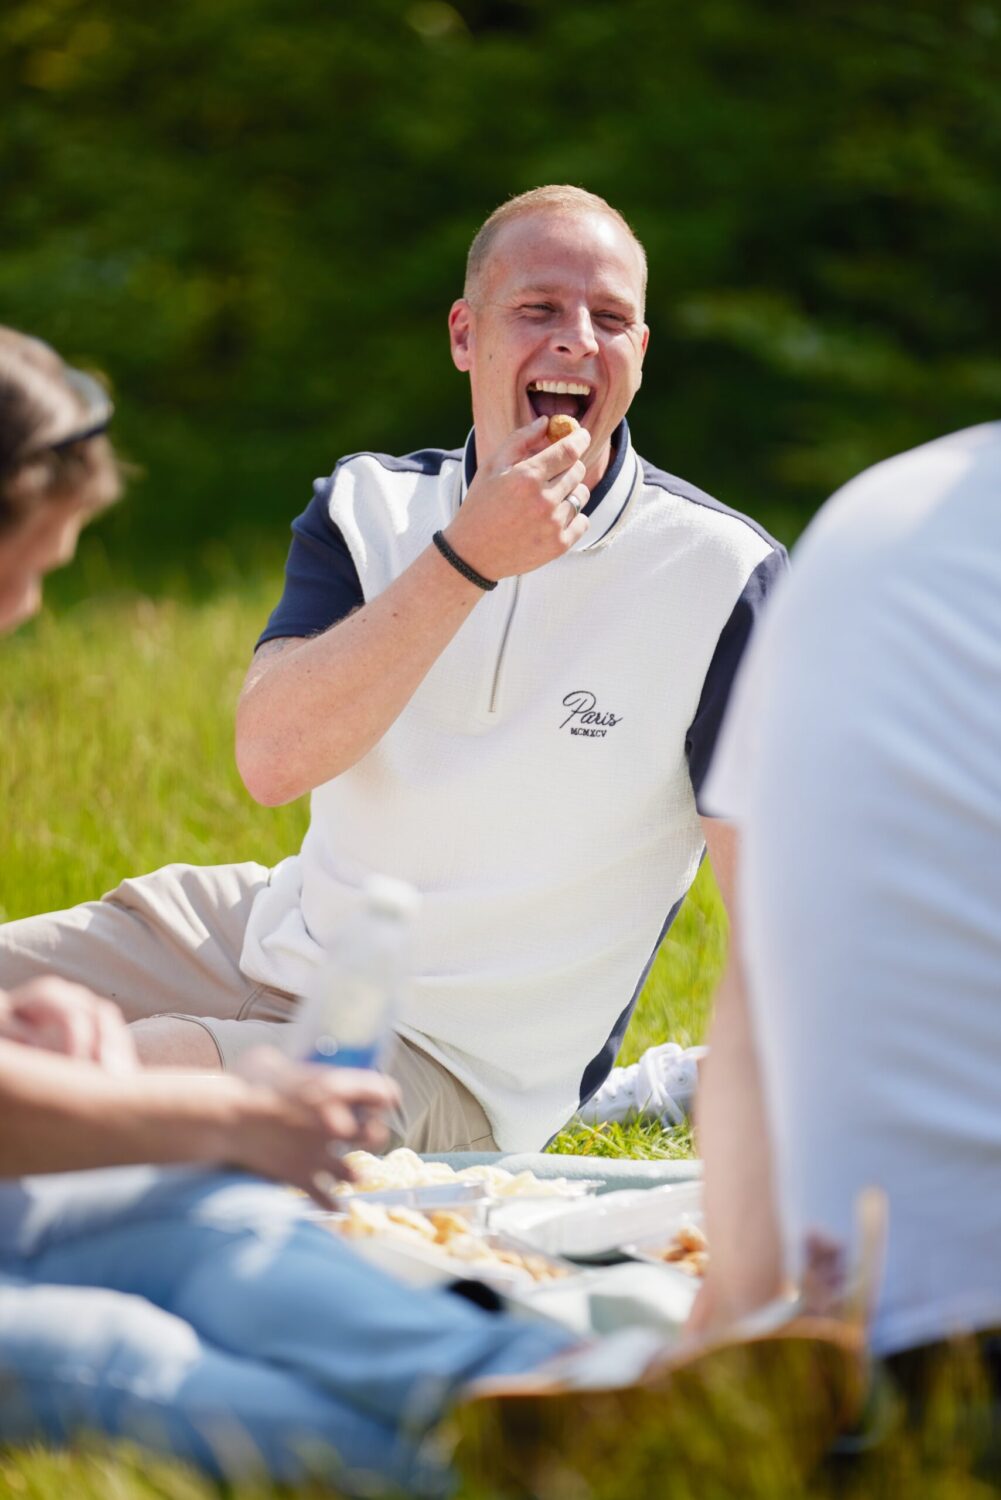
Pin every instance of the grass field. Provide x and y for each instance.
(116, 726)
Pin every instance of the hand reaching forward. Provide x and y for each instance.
(57, 1016)
(300, 1117)
(518, 515)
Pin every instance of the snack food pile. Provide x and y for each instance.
(404, 1169)
(445, 1231)
(688, 1251)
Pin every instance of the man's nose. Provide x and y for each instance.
(576, 336)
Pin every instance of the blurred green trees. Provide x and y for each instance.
(254, 213)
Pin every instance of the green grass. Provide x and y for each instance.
(728, 1447)
(116, 725)
(116, 720)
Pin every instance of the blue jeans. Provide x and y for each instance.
(201, 1314)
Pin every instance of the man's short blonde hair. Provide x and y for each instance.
(560, 198)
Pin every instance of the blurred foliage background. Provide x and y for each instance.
(253, 215)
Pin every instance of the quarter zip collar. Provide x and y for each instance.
(608, 499)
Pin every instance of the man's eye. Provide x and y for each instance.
(616, 320)
(537, 307)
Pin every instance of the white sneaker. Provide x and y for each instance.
(661, 1086)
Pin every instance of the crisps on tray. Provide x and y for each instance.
(444, 1231)
(405, 1169)
(687, 1251)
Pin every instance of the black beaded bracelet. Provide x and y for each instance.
(451, 556)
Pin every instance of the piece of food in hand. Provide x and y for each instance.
(561, 426)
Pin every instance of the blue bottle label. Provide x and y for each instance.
(346, 1057)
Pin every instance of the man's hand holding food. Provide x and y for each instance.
(523, 507)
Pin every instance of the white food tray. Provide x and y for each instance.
(587, 1301)
(427, 1198)
(599, 1227)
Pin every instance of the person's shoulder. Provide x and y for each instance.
(910, 498)
(369, 484)
(368, 472)
(709, 513)
(426, 461)
(934, 465)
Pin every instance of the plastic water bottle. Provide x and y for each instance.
(348, 1014)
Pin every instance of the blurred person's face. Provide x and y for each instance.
(559, 301)
(46, 539)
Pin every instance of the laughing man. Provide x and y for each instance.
(499, 671)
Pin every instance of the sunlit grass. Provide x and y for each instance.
(117, 722)
(645, 1140)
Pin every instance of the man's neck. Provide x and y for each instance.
(596, 471)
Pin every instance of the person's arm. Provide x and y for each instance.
(722, 848)
(312, 708)
(745, 1266)
(58, 1016)
(63, 1115)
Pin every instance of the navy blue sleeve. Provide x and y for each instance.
(321, 580)
(700, 740)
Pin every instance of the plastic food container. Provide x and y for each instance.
(651, 1248)
(434, 1195)
(433, 1265)
(605, 1227)
(404, 1170)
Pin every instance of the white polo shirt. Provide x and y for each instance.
(538, 788)
(862, 759)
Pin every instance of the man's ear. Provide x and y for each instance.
(644, 341)
(460, 333)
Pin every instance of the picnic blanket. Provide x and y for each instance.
(614, 1174)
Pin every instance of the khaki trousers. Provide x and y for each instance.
(170, 943)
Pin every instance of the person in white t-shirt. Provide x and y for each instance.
(860, 759)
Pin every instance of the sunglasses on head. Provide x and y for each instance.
(98, 404)
(98, 410)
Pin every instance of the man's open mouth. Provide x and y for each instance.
(569, 398)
